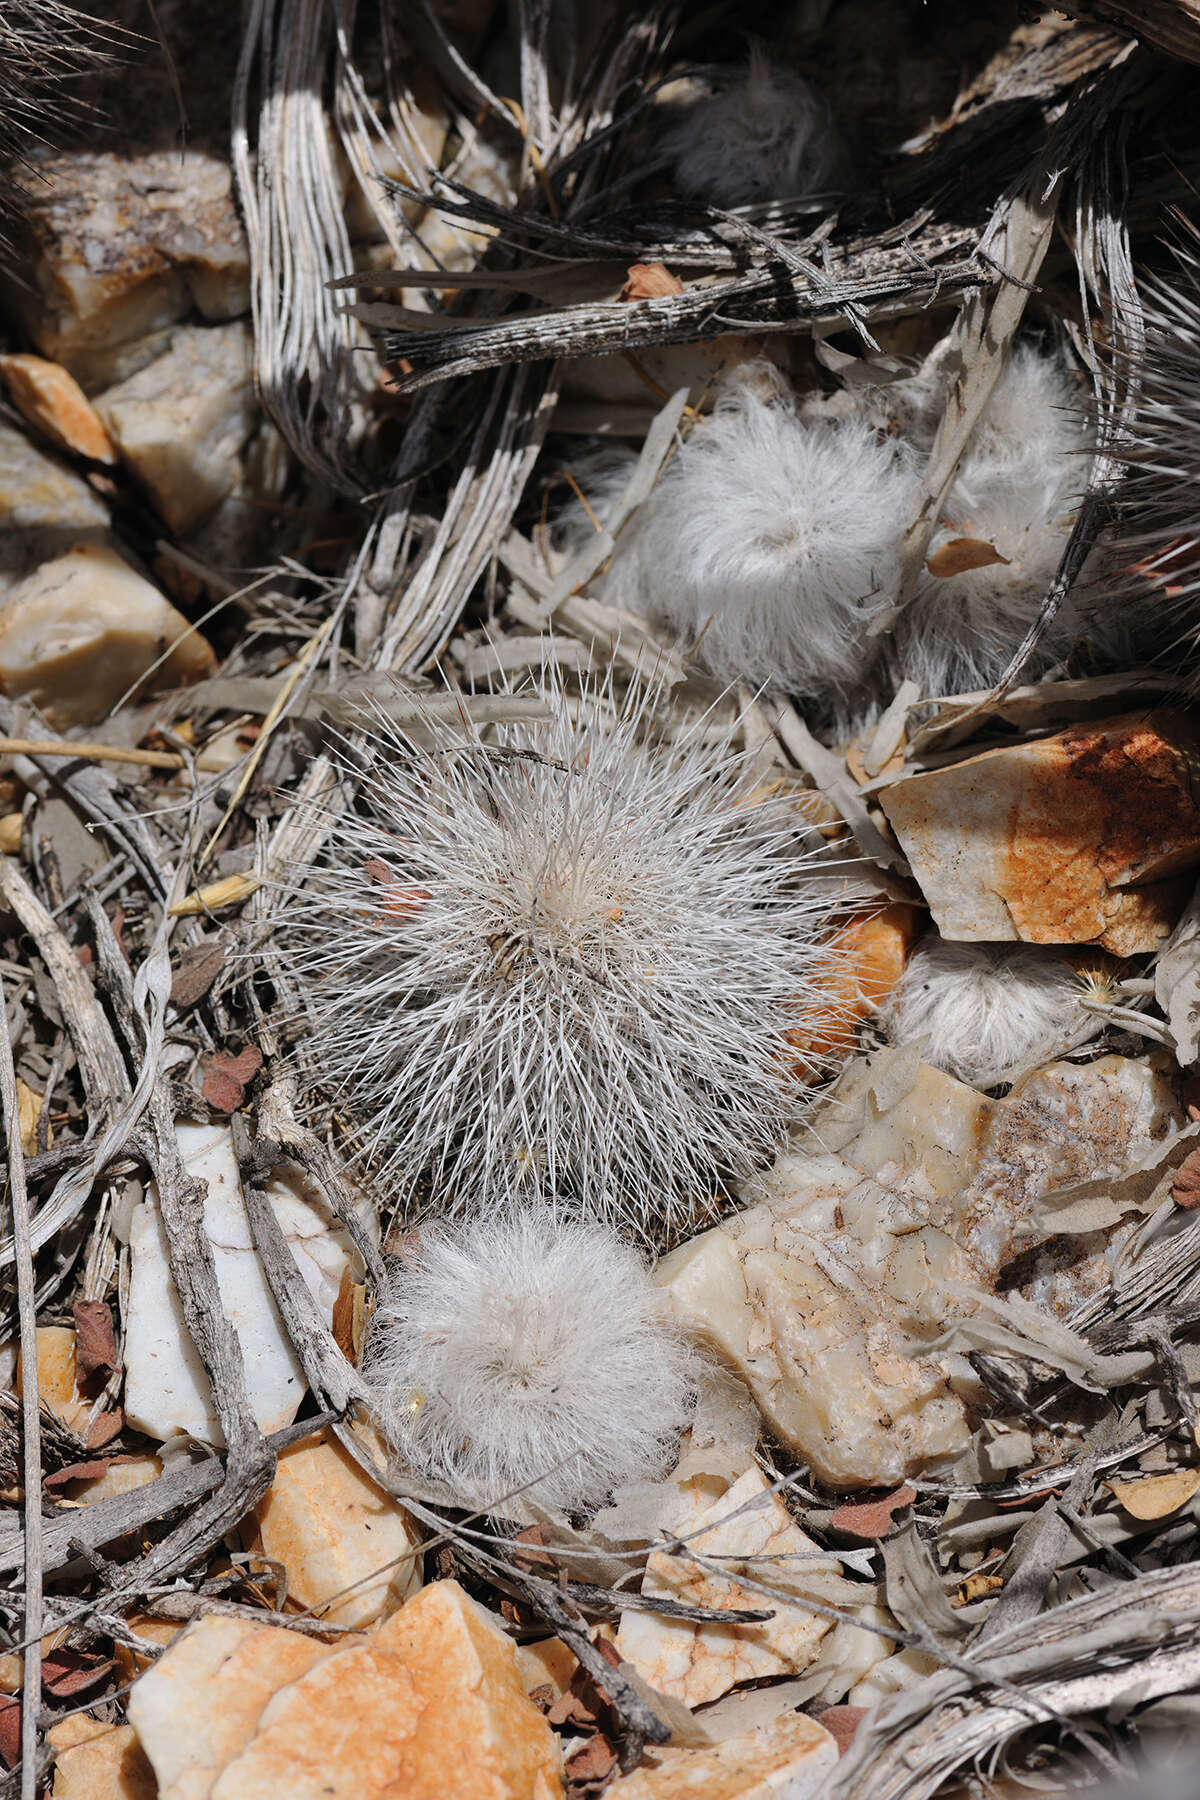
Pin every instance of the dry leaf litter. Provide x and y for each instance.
(599, 827)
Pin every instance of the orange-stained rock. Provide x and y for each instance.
(464, 1670)
(867, 959)
(120, 1477)
(52, 400)
(1077, 838)
(200, 1704)
(351, 1552)
(787, 1760)
(340, 1732)
(95, 1761)
(82, 631)
(695, 1663)
(157, 1633)
(548, 1663)
(430, 1705)
(56, 1376)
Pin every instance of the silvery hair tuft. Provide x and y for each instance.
(532, 1354)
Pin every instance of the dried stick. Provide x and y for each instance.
(31, 1687)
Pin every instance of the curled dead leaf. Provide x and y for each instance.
(871, 1518)
(226, 1078)
(1185, 1189)
(1158, 1496)
(650, 281)
(961, 554)
(95, 1344)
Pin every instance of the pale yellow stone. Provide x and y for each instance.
(119, 1478)
(695, 1663)
(123, 243)
(788, 1760)
(85, 629)
(56, 1376)
(201, 1702)
(96, 1761)
(547, 1663)
(351, 1552)
(338, 1733)
(430, 1705)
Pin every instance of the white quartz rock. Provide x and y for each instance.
(166, 1391)
(181, 422)
(695, 1663)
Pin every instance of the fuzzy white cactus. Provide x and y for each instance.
(771, 541)
(984, 1012)
(563, 959)
(530, 1354)
(766, 135)
(1015, 494)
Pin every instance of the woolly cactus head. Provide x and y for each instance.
(986, 1012)
(767, 135)
(563, 958)
(1005, 524)
(528, 1353)
(771, 542)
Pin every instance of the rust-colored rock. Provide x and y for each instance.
(867, 959)
(350, 1550)
(431, 1704)
(1074, 839)
(95, 1761)
(201, 1702)
(52, 400)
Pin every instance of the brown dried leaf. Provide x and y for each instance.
(871, 1518)
(104, 1428)
(226, 1077)
(194, 971)
(67, 1671)
(349, 1317)
(1158, 1496)
(592, 1764)
(841, 1722)
(10, 1732)
(961, 554)
(650, 281)
(1185, 1189)
(79, 1471)
(95, 1344)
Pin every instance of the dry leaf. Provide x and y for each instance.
(194, 971)
(977, 1587)
(349, 1317)
(95, 1344)
(961, 554)
(230, 891)
(10, 833)
(226, 1077)
(841, 1722)
(1185, 1189)
(1160, 1495)
(29, 1106)
(871, 1518)
(649, 281)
